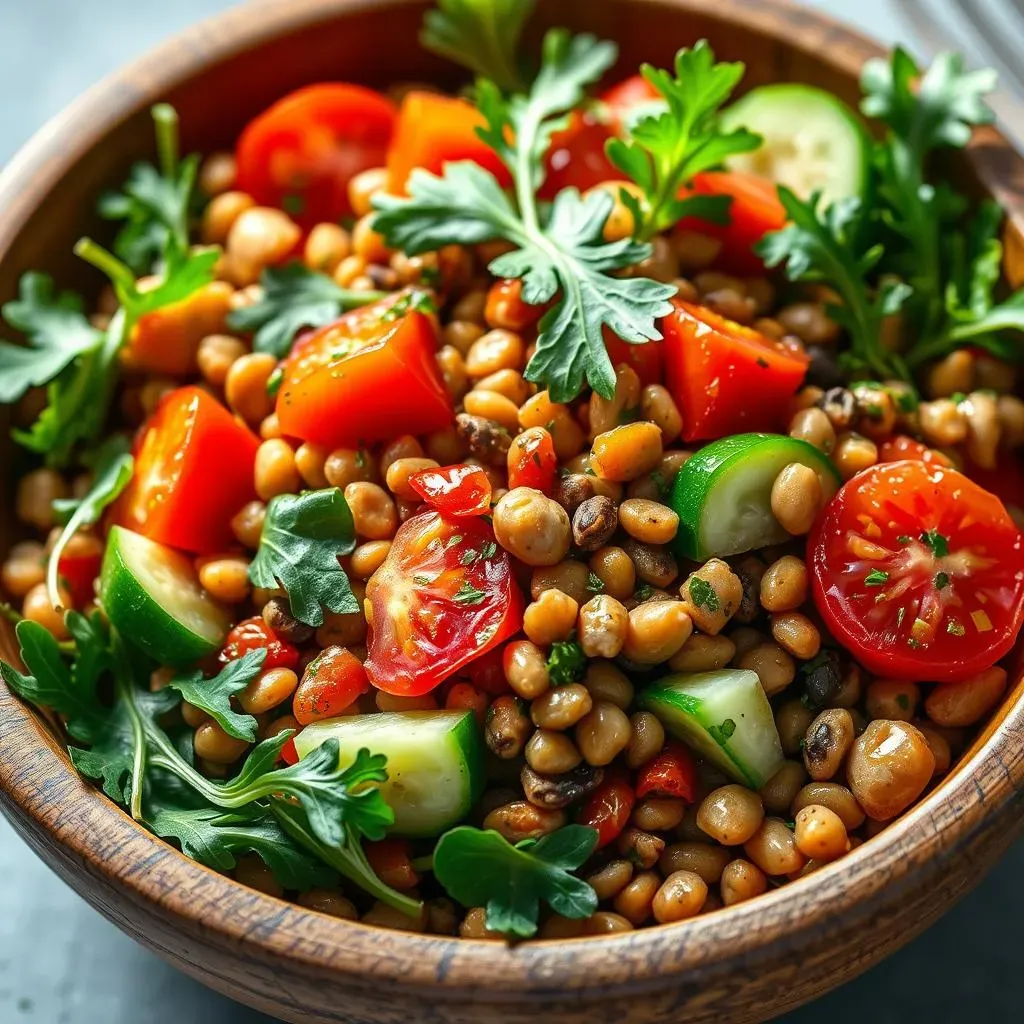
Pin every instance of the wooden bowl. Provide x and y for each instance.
(742, 964)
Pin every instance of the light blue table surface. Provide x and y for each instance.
(61, 963)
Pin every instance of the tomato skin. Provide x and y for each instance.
(331, 682)
(487, 673)
(193, 471)
(902, 447)
(647, 359)
(78, 573)
(386, 381)
(444, 596)
(288, 752)
(505, 306)
(532, 461)
(951, 602)
(392, 862)
(755, 210)
(672, 773)
(1006, 481)
(623, 98)
(253, 635)
(726, 378)
(433, 130)
(458, 490)
(608, 808)
(304, 150)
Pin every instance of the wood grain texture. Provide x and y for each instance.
(739, 965)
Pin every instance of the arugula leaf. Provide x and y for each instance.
(561, 257)
(214, 695)
(156, 204)
(566, 663)
(303, 535)
(213, 837)
(294, 298)
(482, 35)
(57, 332)
(481, 868)
(668, 147)
(822, 245)
(114, 467)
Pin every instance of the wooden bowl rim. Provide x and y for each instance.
(646, 959)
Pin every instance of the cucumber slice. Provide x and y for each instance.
(725, 716)
(152, 597)
(722, 494)
(435, 762)
(812, 140)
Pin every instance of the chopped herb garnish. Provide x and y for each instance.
(594, 583)
(468, 595)
(722, 733)
(904, 538)
(414, 299)
(955, 628)
(903, 701)
(938, 543)
(876, 578)
(941, 580)
(643, 592)
(566, 663)
(702, 594)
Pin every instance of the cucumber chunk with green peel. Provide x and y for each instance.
(812, 140)
(435, 762)
(725, 716)
(153, 598)
(722, 494)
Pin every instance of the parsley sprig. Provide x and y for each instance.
(667, 148)
(560, 253)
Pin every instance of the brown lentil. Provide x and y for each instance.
(594, 522)
(773, 848)
(961, 704)
(681, 895)
(774, 667)
(730, 814)
(603, 733)
(647, 737)
(703, 859)
(741, 881)
(561, 708)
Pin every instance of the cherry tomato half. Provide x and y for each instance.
(78, 572)
(672, 773)
(254, 635)
(444, 596)
(459, 490)
(902, 447)
(918, 572)
(193, 471)
(368, 376)
(646, 358)
(726, 378)
(332, 680)
(301, 153)
(608, 808)
(532, 461)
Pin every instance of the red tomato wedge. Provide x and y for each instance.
(918, 572)
(255, 635)
(434, 130)
(726, 378)
(459, 490)
(903, 447)
(532, 460)
(301, 153)
(368, 376)
(332, 680)
(647, 359)
(755, 210)
(78, 574)
(672, 773)
(193, 471)
(609, 807)
(444, 596)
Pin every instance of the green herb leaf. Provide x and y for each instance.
(668, 148)
(702, 594)
(294, 298)
(937, 542)
(480, 868)
(594, 583)
(941, 580)
(468, 595)
(481, 35)
(566, 663)
(57, 332)
(722, 733)
(303, 535)
(214, 695)
(876, 578)
(114, 467)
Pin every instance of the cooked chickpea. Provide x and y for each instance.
(827, 743)
(566, 433)
(635, 899)
(216, 354)
(221, 213)
(603, 733)
(784, 585)
(250, 871)
(247, 525)
(276, 472)
(551, 617)
(551, 753)
(796, 634)
(369, 557)
(37, 490)
(245, 386)
(893, 699)
(492, 406)
(658, 406)
(520, 820)
(853, 453)
(626, 452)
(646, 740)
(648, 521)
(654, 563)
(820, 833)
(212, 743)
(773, 848)
(615, 569)
(962, 704)
(326, 901)
(730, 814)
(681, 895)
(602, 627)
(774, 667)
(606, 413)
(399, 473)
(569, 576)
(217, 173)
(496, 350)
(809, 322)
(373, 511)
(983, 430)
(610, 880)
(532, 527)
(889, 766)
(474, 926)
(813, 426)
(24, 568)
(642, 848)
(606, 682)
(526, 669)
(37, 607)
(711, 595)
(260, 236)
(703, 653)
(346, 466)
(658, 814)
(561, 708)
(606, 923)
(939, 745)
(835, 797)
(656, 631)
(796, 497)
(741, 881)
(268, 690)
(703, 859)
(778, 792)
(226, 579)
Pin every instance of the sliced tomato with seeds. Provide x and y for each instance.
(532, 461)
(444, 596)
(918, 572)
(459, 490)
(254, 635)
